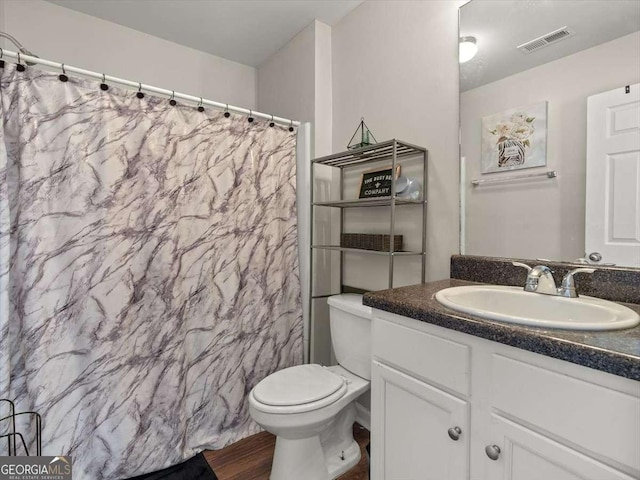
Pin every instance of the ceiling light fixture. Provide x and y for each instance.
(468, 49)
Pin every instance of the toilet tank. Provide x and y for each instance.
(351, 333)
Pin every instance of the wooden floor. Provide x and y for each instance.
(250, 459)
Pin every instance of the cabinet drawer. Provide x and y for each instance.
(603, 421)
(432, 358)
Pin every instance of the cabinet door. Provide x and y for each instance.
(410, 422)
(527, 455)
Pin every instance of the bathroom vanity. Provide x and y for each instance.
(457, 397)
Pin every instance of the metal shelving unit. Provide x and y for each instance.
(393, 150)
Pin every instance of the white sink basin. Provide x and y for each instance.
(513, 305)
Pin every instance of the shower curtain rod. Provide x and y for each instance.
(146, 88)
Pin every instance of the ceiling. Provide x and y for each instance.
(245, 31)
(501, 25)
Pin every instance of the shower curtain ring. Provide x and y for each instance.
(19, 66)
(200, 106)
(172, 100)
(226, 112)
(140, 94)
(103, 85)
(250, 119)
(63, 76)
(272, 123)
(291, 126)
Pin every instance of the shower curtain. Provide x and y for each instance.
(148, 270)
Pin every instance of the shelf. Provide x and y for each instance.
(367, 202)
(371, 153)
(360, 250)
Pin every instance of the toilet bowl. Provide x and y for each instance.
(311, 408)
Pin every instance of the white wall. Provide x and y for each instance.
(63, 35)
(295, 82)
(541, 218)
(395, 64)
(323, 90)
(286, 80)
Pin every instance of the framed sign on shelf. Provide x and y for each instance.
(377, 183)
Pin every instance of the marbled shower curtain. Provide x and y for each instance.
(148, 270)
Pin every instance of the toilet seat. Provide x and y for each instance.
(298, 389)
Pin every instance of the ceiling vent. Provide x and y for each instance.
(545, 40)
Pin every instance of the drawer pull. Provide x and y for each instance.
(454, 433)
(492, 451)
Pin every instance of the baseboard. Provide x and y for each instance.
(363, 416)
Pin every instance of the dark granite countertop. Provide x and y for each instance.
(618, 284)
(616, 352)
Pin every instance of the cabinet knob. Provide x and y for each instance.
(492, 451)
(454, 433)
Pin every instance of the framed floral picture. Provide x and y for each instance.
(515, 139)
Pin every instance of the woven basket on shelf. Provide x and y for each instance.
(370, 241)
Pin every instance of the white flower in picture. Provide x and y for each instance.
(515, 139)
(503, 129)
(520, 118)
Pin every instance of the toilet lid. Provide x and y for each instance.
(297, 385)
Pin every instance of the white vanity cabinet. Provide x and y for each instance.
(529, 455)
(413, 428)
(444, 402)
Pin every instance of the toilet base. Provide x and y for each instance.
(297, 459)
(320, 457)
(351, 458)
(341, 451)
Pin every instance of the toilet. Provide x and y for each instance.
(311, 408)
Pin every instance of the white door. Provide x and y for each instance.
(527, 455)
(419, 432)
(613, 177)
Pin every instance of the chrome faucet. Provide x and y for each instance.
(540, 280)
(568, 288)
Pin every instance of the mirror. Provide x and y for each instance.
(550, 130)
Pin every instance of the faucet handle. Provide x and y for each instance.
(568, 288)
(523, 265)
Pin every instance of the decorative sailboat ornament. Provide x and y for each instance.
(362, 137)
